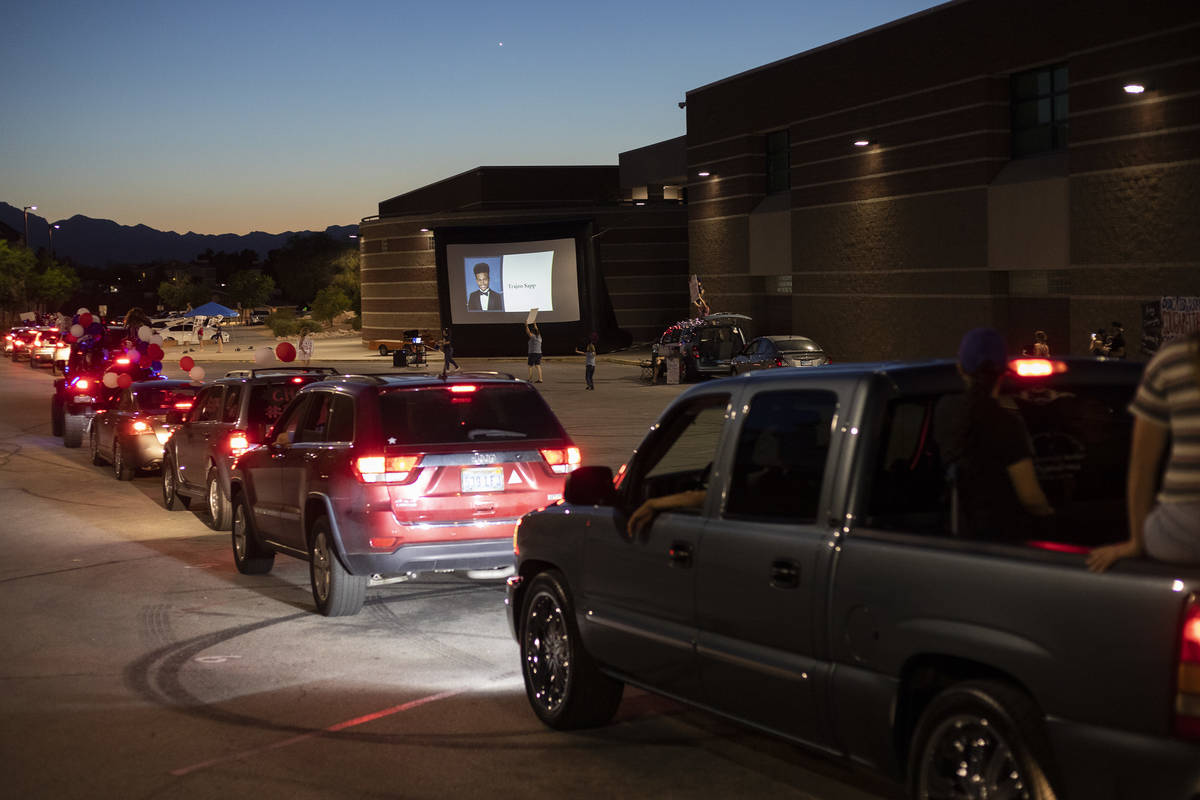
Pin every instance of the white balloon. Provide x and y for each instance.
(155, 339)
(197, 374)
(264, 356)
(110, 380)
(82, 310)
(77, 330)
(144, 333)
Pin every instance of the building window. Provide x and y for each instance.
(778, 163)
(1039, 111)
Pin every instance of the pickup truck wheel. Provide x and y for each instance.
(94, 446)
(383, 350)
(172, 499)
(123, 468)
(56, 416)
(218, 503)
(73, 428)
(562, 683)
(336, 592)
(980, 739)
(249, 555)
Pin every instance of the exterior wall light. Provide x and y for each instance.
(424, 230)
(861, 143)
(704, 174)
(1134, 88)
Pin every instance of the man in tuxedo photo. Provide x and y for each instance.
(486, 298)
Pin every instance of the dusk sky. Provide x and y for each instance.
(224, 117)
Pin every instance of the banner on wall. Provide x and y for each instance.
(1168, 318)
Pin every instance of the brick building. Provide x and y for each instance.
(977, 163)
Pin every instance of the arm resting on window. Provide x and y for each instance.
(1145, 454)
(640, 520)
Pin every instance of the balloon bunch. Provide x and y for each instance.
(83, 325)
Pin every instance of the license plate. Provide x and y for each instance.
(482, 479)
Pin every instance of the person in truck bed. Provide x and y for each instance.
(997, 490)
(1166, 407)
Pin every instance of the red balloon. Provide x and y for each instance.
(85, 320)
(124, 379)
(285, 352)
(186, 363)
(68, 337)
(155, 352)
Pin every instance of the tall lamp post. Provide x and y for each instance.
(27, 209)
(51, 229)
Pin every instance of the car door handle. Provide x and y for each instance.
(681, 554)
(785, 574)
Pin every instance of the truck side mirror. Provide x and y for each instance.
(590, 486)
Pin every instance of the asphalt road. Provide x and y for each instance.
(136, 662)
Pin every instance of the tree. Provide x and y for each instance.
(329, 302)
(53, 287)
(178, 294)
(16, 268)
(305, 264)
(347, 278)
(250, 288)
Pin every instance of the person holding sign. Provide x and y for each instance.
(535, 347)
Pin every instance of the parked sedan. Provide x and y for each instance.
(131, 435)
(783, 350)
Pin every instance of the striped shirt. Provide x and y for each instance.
(1169, 395)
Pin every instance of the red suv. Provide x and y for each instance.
(382, 477)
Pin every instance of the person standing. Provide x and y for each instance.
(1099, 344)
(199, 332)
(589, 369)
(1116, 342)
(447, 353)
(1166, 419)
(1040, 348)
(218, 335)
(535, 352)
(305, 348)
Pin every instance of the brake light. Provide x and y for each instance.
(564, 460)
(139, 426)
(183, 405)
(1036, 367)
(239, 443)
(82, 384)
(463, 388)
(1187, 686)
(297, 380)
(696, 351)
(123, 361)
(779, 362)
(385, 469)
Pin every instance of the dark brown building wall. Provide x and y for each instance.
(889, 243)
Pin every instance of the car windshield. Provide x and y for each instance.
(796, 345)
(490, 413)
(163, 399)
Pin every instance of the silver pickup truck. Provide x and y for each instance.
(826, 589)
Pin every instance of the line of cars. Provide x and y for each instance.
(38, 346)
(716, 345)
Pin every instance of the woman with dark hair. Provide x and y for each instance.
(998, 494)
(1166, 409)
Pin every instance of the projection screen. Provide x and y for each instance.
(500, 282)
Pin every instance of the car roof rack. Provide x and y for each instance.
(268, 371)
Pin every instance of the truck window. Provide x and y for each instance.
(1080, 440)
(679, 458)
(780, 459)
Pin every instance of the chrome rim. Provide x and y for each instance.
(239, 532)
(214, 497)
(547, 652)
(320, 566)
(966, 758)
(168, 482)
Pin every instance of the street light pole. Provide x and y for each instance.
(51, 229)
(27, 209)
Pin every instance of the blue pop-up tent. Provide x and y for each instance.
(211, 310)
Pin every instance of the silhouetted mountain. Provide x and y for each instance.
(101, 242)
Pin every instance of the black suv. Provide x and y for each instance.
(706, 345)
(229, 416)
(383, 477)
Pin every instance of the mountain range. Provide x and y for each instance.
(102, 242)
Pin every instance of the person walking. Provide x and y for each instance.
(535, 352)
(589, 354)
(1166, 419)
(218, 335)
(305, 348)
(447, 353)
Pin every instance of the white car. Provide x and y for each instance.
(185, 333)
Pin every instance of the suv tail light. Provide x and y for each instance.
(696, 352)
(563, 460)
(1036, 367)
(139, 426)
(239, 442)
(386, 469)
(82, 384)
(1187, 686)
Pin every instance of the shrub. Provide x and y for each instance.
(283, 322)
(356, 322)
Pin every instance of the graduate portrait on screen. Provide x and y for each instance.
(487, 280)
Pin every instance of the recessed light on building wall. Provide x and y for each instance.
(424, 230)
(861, 143)
(704, 174)
(1134, 88)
